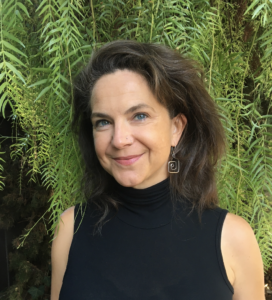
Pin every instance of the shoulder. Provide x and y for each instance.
(60, 249)
(237, 229)
(65, 223)
(242, 255)
(238, 236)
(68, 215)
(64, 230)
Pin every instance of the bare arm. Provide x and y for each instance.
(60, 250)
(243, 257)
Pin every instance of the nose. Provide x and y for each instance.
(121, 135)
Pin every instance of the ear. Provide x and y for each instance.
(178, 125)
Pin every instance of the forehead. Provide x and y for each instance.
(122, 88)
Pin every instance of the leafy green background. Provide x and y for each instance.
(45, 43)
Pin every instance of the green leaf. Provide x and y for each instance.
(253, 4)
(23, 8)
(14, 59)
(43, 81)
(8, 45)
(41, 5)
(46, 70)
(237, 167)
(9, 11)
(46, 89)
(2, 101)
(12, 37)
(257, 10)
(3, 86)
(15, 71)
(2, 75)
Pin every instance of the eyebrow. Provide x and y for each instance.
(128, 111)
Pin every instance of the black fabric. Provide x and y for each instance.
(147, 251)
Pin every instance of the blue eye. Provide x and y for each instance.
(141, 116)
(101, 123)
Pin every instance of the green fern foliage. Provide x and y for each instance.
(44, 44)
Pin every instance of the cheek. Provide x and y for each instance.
(158, 141)
(100, 145)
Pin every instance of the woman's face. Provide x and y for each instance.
(133, 132)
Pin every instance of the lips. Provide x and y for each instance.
(127, 160)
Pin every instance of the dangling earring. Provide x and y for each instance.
(173, 165)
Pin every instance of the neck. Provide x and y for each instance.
(150, 182)
(150, 207)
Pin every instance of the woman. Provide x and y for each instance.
(150, 138)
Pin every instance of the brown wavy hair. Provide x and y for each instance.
(178, 83)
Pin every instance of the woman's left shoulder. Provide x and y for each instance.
(239, 236)
(237, 229)
(242, 254)
(239, 239)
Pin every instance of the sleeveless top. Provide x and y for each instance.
(147, 251)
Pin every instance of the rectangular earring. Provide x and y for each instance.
(173, 165)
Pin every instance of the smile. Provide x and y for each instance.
(127, 160)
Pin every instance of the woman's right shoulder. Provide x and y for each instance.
(68, 214)
(60, 249)
(68, 217)
(64, 232)
(65, 229)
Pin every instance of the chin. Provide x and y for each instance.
(128, 181)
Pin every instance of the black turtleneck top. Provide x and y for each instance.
(148, 250)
